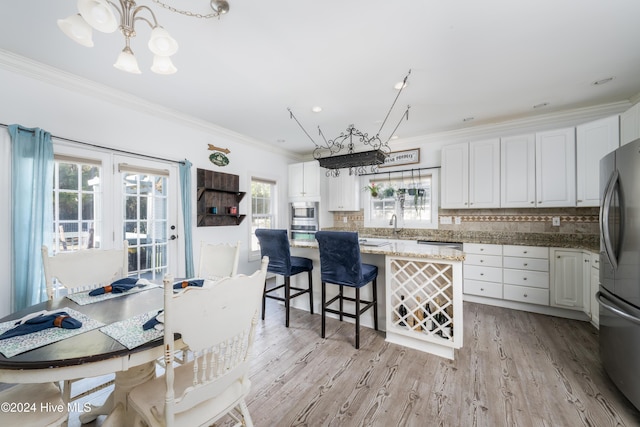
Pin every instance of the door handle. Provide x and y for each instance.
(173, 237)
(604, 219)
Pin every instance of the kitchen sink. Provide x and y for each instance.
(374, 242)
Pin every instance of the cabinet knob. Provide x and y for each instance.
(586, 260)
(482, 289)
(524, 252)
(524, 278)
(525, 295)
(481, 249)
(557, 256)
(481, 260)
(525, 264)
(531, 202)
(579, 201)
(482, 274)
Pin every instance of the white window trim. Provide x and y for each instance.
(255, 255)
(435, 202)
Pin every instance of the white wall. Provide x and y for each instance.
(109, 119)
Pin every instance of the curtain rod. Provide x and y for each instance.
(109, 148)
(399, 171)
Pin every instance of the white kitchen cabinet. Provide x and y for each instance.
(482, 270)
(567, 280)
(594, 140)
(455, 176)
(518, 171)
(556, 168)
(304, 181)
(595, 286)
(630, 125)
(344, 192)
(526, 274)
(471, 175)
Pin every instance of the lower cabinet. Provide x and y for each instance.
(483, 270)
(526, 274)
(568, 284)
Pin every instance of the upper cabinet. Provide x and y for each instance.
(344, 192)
(304, 181)
(518, 171)
(471, 175)
(630, 125)
(594, 140)
(556, 168)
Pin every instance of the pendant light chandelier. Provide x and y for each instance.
(101, 16)
(342, 152)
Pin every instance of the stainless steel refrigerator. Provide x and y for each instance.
(619, 296)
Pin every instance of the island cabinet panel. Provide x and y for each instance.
(424, 304)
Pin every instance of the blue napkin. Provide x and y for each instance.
(151, 323)
(185, 283)
(117, 287)
(60, 319)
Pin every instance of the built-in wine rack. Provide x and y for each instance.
(421, 301)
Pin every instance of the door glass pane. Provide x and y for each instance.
(76, 206)
(146, 223)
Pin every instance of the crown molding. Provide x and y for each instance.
(45, 73)
(524, 125)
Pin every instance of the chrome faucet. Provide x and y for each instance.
(394, 221)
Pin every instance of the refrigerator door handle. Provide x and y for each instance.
(609, 305)
(604, 219)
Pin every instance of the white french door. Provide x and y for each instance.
(146, 214)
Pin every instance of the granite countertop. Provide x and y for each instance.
(588, 242)
(404, 248)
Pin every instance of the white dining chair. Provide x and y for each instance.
(218, 260)
(217, 325)
(80, 271)
(29, 399)
(84, 269)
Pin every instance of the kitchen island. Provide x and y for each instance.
(419, 292)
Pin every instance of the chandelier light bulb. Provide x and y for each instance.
(127, 62)
(163, 65)
(161, 43)
(220, 6)
(99, 14)
(77, 30)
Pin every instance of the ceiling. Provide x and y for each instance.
(492, 60)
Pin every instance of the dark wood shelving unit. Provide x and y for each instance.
(220, 190)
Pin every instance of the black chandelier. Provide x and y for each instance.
(356, 161)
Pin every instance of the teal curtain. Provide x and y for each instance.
(185, 195)
(32, 211)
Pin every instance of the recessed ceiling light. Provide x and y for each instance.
(468, 119)
(602, 81)
(316, 109)
(541, 105)
(394, 137)
(281, 141)
(400, 85)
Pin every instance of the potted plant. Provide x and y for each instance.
(373, 189)
(388, 192)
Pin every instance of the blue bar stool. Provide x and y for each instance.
(275, 245)
(340, 264)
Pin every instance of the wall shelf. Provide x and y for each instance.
(220, 190)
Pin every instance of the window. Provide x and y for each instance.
(77, 201)
(263, 210)
(414, 201)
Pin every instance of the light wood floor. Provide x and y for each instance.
(515, 369)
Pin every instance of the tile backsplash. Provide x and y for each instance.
(572, 220)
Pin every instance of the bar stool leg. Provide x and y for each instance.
(375, 304)
(287, 298)
(310, 293)
(264, 298)
(324, 298)
(341, 303)
(357, 318)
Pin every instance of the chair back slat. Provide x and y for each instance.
(217, 324)
(84, 269)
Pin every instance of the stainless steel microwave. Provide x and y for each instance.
(303, 211)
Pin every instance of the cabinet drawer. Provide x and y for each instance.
(526, 294)
(488, 274)
(537, 264)
(526, 251)
(537, 279)
(481, 248)
(485, 260)
(485, 289)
